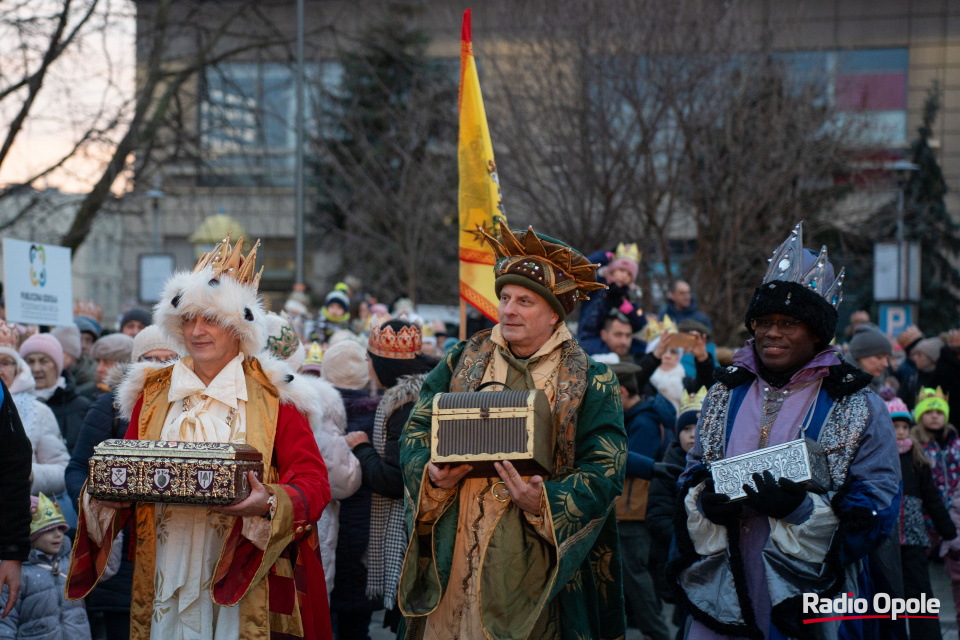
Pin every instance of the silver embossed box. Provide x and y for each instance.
(802, 461)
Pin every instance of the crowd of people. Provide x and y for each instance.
(351, 516)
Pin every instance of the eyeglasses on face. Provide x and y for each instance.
(786, 326)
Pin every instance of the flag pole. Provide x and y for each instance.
(463, 319)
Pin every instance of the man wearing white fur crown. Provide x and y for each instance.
(251, 570)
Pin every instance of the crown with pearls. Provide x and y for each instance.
(786, 265)
(228, 262)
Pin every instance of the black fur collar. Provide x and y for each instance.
(843, 380)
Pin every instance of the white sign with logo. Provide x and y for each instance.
(38, 283)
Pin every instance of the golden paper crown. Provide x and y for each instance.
(932, 394)
(314, 355)
(628, 251)
(654, 328)
(227, 262)
(400, 345)
(9, 336)
(46, 515)
(693, 401)
(88, 309)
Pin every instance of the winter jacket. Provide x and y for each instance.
(383, 474)
(663, 499)
(70, 409)
(102, 422)
(594, 311)
(343, 470)
(944, 460)
(661, 507)
(50, 455)
(349, 592)
(42, 612)
(14, 482)
(649, 426)
(920, 497)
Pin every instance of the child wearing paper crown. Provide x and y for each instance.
(921, 501)
(941, 446)
(41, 611)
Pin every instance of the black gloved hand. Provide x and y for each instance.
(774, 499)
(859, 518)
(717, 508)
(666, 470)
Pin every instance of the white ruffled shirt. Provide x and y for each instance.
(189, 538)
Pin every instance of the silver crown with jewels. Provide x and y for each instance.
(787, 265)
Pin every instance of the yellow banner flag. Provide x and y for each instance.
(479, 194)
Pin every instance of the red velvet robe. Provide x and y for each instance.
(303, 478)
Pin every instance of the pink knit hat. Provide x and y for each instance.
(622, 263)
(898, 410)
(46, 344)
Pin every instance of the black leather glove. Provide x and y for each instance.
(859, 518)
(666, 470)
(717, 508)
(772, 498)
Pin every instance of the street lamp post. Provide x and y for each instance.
(902, 170)
(156, 195)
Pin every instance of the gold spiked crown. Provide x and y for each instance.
(548, 267)
(628, 251)
(693, 401)
(314, 355)
(227, 261)
(46, 515)
(929, 399)
(655, 328)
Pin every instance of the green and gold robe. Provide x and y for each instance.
(555, 577)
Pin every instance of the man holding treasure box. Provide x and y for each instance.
(250, 570)
(511, 555)
(761, 552)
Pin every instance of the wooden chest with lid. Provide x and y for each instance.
(203, 473)
(479, 428)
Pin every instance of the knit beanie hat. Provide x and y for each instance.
(868, 340)
(930, 347)
(899, 411)
(930, 399)
(87, 325)
(337, 297)
(45, 515)
(69, 338)
(345, 366)
(142, 316)
(622, 263)
(152, 338)
(116, 347)
(46, 344)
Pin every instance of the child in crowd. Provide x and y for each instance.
(941, 446)
(920, 497)
(41, 611)
(661, 506)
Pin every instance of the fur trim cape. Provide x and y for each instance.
(292, 389)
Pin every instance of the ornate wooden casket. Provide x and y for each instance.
(802, 461)
(479, 428)
(203, 473)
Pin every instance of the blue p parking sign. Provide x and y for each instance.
(894, 318)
